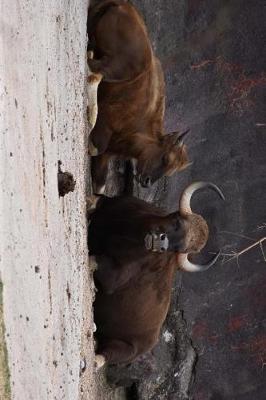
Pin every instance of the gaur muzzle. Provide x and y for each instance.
(156, 242)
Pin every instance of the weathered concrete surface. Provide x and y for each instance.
(47, 285)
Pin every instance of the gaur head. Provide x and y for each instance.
(183, 232)
(163, 158)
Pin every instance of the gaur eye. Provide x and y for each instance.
(163, 236)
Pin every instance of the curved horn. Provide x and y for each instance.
(186, 265)
(184, 204)
(178, 138)
(181, 137)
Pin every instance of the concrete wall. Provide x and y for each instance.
(47, 290)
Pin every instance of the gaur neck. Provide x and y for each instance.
(141, 146)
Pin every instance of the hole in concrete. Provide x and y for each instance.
(66, 182)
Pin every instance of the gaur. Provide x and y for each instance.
(138, 248)
(131, 97)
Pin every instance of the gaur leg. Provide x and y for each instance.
(99, 170)
(93, 81)
(117, 351)
(108, 67)
(118, 57)
(110, 275)
(98, 143)
(105, 274)
(99, 137)
(92, 202)
(91, 205)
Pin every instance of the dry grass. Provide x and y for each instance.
(5, 392)
(235, 255)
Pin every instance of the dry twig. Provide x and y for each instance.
(235, 255)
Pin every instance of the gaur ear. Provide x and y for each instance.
(185, 165)
(177, 137)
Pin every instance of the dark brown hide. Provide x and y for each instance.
(131, 97)
(133, 284)
(129, 320)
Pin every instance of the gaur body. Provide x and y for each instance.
(131, 97)
(136, 269)
(129, 320)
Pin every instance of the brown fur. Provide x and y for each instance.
(134, 284)
(131, 98)
(132, 316)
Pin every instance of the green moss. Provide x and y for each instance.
(5, 391)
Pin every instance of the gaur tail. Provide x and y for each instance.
(97, 9)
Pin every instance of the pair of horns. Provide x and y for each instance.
(185, 209)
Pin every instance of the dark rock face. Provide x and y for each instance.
(213, 57)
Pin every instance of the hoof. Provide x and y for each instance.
(92, 113)
(93, 266)
(93, 81)
(99, 361)
(93, 151)
(90, 54)
(99, 190)
(92, 202)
